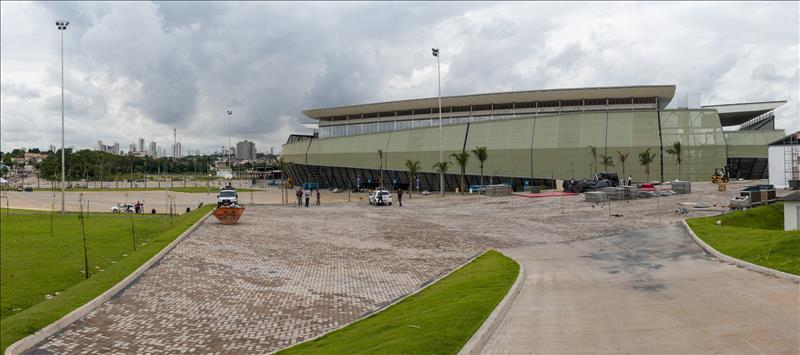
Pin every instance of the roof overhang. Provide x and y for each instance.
(736, 114)
(663, 92)
(790, 139)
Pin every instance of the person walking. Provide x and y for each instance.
(299, 195)
(400, 197)
(317, 197)
(307, 194)
(630, 180)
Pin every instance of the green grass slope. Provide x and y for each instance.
(35, 265)
(438, 320)
(755, 236)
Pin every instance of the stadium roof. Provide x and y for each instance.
(736, 114)
(663, 92)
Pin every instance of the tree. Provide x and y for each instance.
(441, 168)
(645, 159)
(461, 159)
(675, 151)
(413, 169)
(593, 150)
(380, 157)
(607, 161)
(480, 153)
(622, 158)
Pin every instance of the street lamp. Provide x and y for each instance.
(435, 52)
(62, 26)
(230, 166)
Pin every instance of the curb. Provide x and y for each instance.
(737, 262)
(29, 341)
(387, 306)
(482, 336)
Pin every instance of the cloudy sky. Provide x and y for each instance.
(140, 69)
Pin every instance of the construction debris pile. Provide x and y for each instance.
(646, 190)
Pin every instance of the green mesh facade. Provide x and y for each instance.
(751, 144)
(546, 146)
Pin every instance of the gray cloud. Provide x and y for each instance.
(140, 69)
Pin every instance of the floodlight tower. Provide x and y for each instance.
(435, 52)
(62, 26)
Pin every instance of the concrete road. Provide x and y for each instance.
(645, 292)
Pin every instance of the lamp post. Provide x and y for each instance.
(435, 52)
(230, 166)
(62, 26)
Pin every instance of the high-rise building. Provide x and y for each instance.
(176, 150)
(131, 148)
(153, 151)
(245, 150)
(141, 145)
(100, 147)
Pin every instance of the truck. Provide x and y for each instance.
(227, 196)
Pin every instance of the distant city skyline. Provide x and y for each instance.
(140, 69)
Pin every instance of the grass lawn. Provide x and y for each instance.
(755, 236)
(42, 279)
(438, 320)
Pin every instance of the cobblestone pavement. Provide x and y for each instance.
(286, 274)
(280, 276)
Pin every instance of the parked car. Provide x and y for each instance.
(123, 207)
(380, 197)
(28, 189)
(336, 190)
(227, 196)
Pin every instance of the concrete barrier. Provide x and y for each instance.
(737, 262)
(478, 341)
(29, 341)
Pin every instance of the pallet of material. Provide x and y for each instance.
(682, 187)
(594, 196)
(614, 193)
(498, 190)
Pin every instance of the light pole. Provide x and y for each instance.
(435, 52)
(62, 26)
(230, 166)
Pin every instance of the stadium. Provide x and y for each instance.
(532, 138)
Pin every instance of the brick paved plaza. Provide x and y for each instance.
(286, 274)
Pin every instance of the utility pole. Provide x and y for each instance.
(62, 26)
(435, 52)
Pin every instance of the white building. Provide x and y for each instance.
(141, 145)
(784, 161)
(153, 151)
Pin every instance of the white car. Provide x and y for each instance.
(227, 196)
(380, 197)
(123, 207)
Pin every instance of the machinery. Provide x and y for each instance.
(720, 175)
(599, 181)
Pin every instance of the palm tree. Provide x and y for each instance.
(622, 158)
(413, 168)
(480, 153)
(607, 161)
(441, 168)
(675, 151)
(380, 156)
(592, 149)
(645, 159)
(461, 160)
